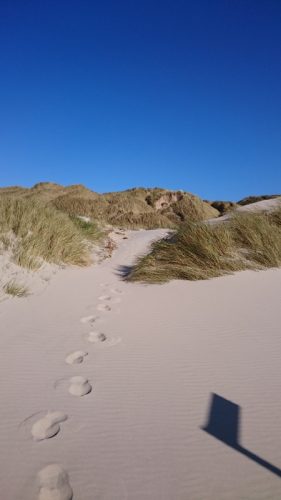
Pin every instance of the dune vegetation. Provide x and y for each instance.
(33, 233)
(134, 208)
(57, 224)
(199, 251)
(49, 223)
(253, 199)
(138, 208)
(224, 206)
(15, 289)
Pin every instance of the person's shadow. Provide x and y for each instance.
(224, 424)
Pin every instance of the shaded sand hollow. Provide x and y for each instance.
(155, 355)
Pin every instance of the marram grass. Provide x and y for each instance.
(199, 251)
(40, 233)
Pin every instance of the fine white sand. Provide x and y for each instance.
(155, 356)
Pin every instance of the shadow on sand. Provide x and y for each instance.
(224, 424)
(124, 271)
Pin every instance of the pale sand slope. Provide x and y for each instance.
(137, 435)
(257, 207)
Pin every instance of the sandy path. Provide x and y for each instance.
(137, 435)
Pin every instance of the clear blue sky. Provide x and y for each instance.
(183, 94)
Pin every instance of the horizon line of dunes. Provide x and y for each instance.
(128, 208)
(43, 224)
(133, 208)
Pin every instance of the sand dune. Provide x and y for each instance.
(257, 207)
(164, 363)
(271, 204)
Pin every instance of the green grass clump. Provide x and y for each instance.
(201, 251)
(41, 233)
(15, 289)
(88, 229)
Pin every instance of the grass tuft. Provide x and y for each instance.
(88, 229)
(15, 289)
(201, 251)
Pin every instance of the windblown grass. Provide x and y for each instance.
(40, 233)
(259, 237)
(201, 251)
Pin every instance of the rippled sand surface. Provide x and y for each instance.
(155, 357)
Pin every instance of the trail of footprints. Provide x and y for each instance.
(53, 480)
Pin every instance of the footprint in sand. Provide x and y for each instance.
(96, 337)
(103, 307)
(116, 291)
(105, 297)
(114, 300)
(89, 319)
(76, 357)
(79, 386)
(54, 483)
(48, 426)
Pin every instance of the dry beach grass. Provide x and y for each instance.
(202, 251)
(133, 209)
(34, 232)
